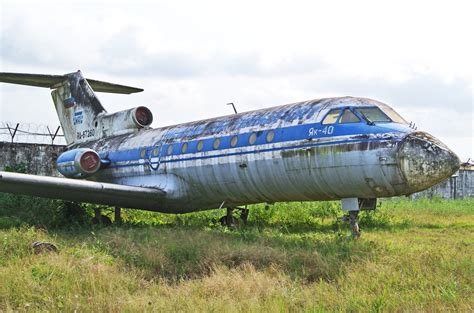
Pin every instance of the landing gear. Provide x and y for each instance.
(352, 206)
(118, 215)
(100, 219)
(228, 219)
(231, 221)
(105, 220)
(352, 218)
(244, 214)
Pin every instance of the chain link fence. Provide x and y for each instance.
(31, 133)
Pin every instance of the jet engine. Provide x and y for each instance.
(78, 163)
(124, 122)
(141, 116)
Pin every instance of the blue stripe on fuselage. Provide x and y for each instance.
(249, 152)
(285, 134)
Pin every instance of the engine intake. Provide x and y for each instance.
(78, 163)
(142, 116)
(124, 122)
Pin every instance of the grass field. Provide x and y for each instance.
(412, 256)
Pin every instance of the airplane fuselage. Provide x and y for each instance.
(284, 153)
(352, 149)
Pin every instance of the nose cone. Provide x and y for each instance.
(425, 161)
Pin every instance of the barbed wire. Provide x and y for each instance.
(31, 133)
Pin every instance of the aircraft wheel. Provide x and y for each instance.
(229, 220)
(353, 220)
(355, 230)
(244, 215)
(102, 219)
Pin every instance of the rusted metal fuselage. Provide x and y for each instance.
(283, 153)
(353, 149)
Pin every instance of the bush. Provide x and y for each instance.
(16, 210)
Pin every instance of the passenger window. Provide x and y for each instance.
(170, 149)
(348, 117)
(331, 117)
(184, 148)
(200, 145)
(270, 136)
(156, 151)
(143, 153)
(233, 141)
(217, 143)
(252, 138)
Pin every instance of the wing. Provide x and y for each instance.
(81, 191)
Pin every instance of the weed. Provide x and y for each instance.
(413, 256)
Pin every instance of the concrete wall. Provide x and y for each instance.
(460, 186)
(39, 159)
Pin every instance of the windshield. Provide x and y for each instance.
(373, 114)
(331, 117)
(348, 117)
(396, 118)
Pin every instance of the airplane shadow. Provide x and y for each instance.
(176, 253)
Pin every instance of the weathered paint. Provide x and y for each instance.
(82, 116)
(425, 161)
(198, 165)
(77, 190)
(353, 161)
(78, 163)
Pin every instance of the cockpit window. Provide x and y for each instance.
(396, 118)
(373, 114)
(348, 117)
(331, 117)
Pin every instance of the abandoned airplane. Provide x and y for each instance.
(349, 149)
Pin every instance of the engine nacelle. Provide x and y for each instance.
(141, 116)
(78, 163)
(124, 121)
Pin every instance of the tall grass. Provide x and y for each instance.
(413, 256)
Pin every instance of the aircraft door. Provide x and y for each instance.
(153, 156)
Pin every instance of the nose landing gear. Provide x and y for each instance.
(352, 206)
(353, 218)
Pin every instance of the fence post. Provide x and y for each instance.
(53, 136)
(14, 131)
(37, 134)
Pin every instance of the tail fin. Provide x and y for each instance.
(76, 103)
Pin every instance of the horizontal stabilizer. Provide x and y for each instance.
(50, 81)
(82, 191)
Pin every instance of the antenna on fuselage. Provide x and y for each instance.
(413, 126)
(233, 106)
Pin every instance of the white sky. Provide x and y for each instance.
(192, 57)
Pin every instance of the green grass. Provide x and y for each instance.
(412, 256)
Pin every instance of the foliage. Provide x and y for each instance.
(412, 256)
(16, 210)
(18, 168)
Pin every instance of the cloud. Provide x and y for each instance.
(193, 60)
(126, 55)
(419, 90)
